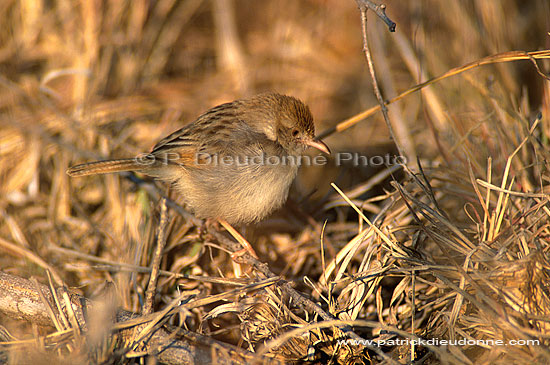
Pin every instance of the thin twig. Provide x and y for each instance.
(161, 242)
(379, 10)
(364, 5)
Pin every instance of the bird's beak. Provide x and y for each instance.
(320, 145)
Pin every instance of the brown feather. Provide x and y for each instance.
(105, 167)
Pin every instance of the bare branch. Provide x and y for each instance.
(155, 266)
(379, 10)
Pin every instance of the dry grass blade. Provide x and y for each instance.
(9, 246)
(498, 58)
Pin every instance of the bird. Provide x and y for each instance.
(235, 163)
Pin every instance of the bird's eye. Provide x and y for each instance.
(295, 133)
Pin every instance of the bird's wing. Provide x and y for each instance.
(219, 131)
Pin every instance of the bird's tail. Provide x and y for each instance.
(105, 167)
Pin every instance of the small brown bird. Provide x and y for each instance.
(234, 163)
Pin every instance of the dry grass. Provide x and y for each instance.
(457, 250)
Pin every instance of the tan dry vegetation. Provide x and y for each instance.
(457, 250)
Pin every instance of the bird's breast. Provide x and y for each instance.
(240, 189)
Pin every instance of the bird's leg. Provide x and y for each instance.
(208, 223)
(202, 229)
(246, 245)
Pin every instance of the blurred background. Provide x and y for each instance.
(83, 80)
(113, 77)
